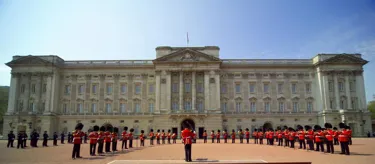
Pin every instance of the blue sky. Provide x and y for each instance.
(131, 29)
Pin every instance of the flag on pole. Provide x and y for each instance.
(187, 38)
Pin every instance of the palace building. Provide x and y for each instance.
(186, 86)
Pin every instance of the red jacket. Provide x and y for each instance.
(233, 135)
(344, 136)
(247, 134)
(255, 134)
(270, 135)
(142, 137)
(124, 135)
(292, 135)
(301, 135)
(217, 135)
(77, 137)
(169, 135)
(114, 137)
(310, 135)
(212, 135)
(260, 135)
(319, 136)
(157, 135)
(94, 136)
(187, 136)
(151, 135)
(329, 135)
(130, 134)
(225, 135)
(107, 137)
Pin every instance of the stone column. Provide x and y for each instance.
(360, 91)
(26, 104)
(39, 90)
(168, 78)
(102, 90)
(87, 93)
(193, 91)
(336, 90)
(157, 92)
(347, 92)
(181, 91)
(217, 81)
(325, 90)
(13, 93)
(48, 93)
(206, 90)
(116, 92)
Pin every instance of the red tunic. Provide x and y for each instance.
(279, 135)
(130, 134)
(142, 137)
(233, 135)
(225, 135)
(329, 135)
(124, 135)
(174, 136)
(344, 136)
(212, 135)
(101, 136)
(169, 135)
(107, 137)
(247, 134)
(114, 137)
(94, 136)
(151, 134)
(163, 135)
(292, 135)
(217, 135)
(301, 135)
(157, 135)
(310, 134)
(255, 134)
(318, 136)
(77, 137)
(266, 133)
(260, 135)
(187, 136)
(270, 135)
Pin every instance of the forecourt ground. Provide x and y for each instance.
(362, 152)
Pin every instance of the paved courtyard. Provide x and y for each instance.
(362, 152)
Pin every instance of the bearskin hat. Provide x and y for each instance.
(169, 130)
(151, 130)
(162, 130)
(278, 128)
(115, 130)
(79, 126)
(212, 131)
(307, 127)
(158, 130)
(285, 127)
(142, 131)
(240, 130)
(334, 128)
(204, 130)
(299, 127)
(317, 127)
(247, 129)
(96, 128)
(271, 129)
(109, 128)
(102, 128)
(342, 125)
(218, 130)
(260, 130)
(131, 130)
(348, 127)
(290, 129)
(255, 130)
(233, 130)
(328, 125)
(125, 128)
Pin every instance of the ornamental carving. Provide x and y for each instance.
(163, 81)
(188, 57)
(212, 80)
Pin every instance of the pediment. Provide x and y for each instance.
(344, 59)
(187, 55)
(29, 60)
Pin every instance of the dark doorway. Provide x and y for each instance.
(174, 130)
(188, 123)
(267, 126)
(200, 133)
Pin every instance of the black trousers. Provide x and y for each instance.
(163, 141)
(319, 146)
(143, 142)
(225, 140)
(292, 143)
(130, 143)
(10, 143)
(205, 139)
(100, 147)
(247, 140)
(350, 141)
(217, 140)
(174, 140)
(20, 144)
(124, 144)
(261, 141)
(286, 142)
(169, 141)
(233, 140)
(256, 140)
(62, 140)
(330, 148)
(241, 139)
(76, 150)
(268, 141)
(280, 142)
(114, 146)
(92, 149)
(302, 142)
(311, 144)
(157, 141)
(188, 152)
(213, 140)
(24, 143)
(336, 141)
(151, 141)
(107, 146)
(271, 141)
(55, 142)
(345, 148)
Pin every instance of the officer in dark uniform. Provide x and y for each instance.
(11, 137)
(20, 139)
(69, 137)
(62, 137)
(45, 139)
(55, 136)
(24, 139)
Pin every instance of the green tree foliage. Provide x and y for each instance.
(371, 108)
(4, 93)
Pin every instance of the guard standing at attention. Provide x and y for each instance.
(270, 136)
(169, 136)
(233, 135)
(336, 136)
(187, 136)
(292, 137)
(309, 135)
(45, 139)
(11, 137)
(162, 136)
(131, 138)
(77, 134)
(20, 137)
(286, 136)
(255, 136)
(260, 136)
(205, 136)
(218, 134)
(279, 136)
(329, 136)
(93, 136)
(174, 137)
(142, 138)
(247, 135)
(114, 139)
(319, 138)
(225, 136)
(101, 138)
(62, 137)
(240, 134)
(301, 137)
(212, 136)
(107, 139)
(124, 135)
(158, 137)
(55, 136)
(151, 136)
(344, 139)
(25, 139)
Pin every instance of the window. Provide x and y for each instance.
(187, 105)
(224, 88)
(187, 87)
(22, 88)
(174, 106)
(93, 107)
(124, 88)
(200, 87)
(200, 106)
(137, 107)
(238, 106)
(122, 107)
(79, 108)
(151, 107)
(267, 106)
(67, 90)
(252, 107)
(32, 107)
(330, 86)
(351, 86)
(65, 108)
(309, 107)
(295, 106)
(174, 87)
(94, 88)
(151, 88)
(80, 89)
(252, 88)
(109, 88)
(265, 87)
(137, 88)
(294, 88)
(108, 107)
(224, 106)
(33, 88)
(238, 88)
(281, 106)
(280, 88)
(354, 104)
(308, 88)
(341, 86)
(44, 88)
(342, 104)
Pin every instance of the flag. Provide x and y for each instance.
(187, 38)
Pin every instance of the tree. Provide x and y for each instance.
(371, 108)
(4, 93)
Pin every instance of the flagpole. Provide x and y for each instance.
(187, 39)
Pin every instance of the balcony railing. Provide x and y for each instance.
(109, 63)
(187, 112)
(268, 61)
(268, 113)
(109, 114)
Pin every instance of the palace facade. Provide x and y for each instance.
(186, 85)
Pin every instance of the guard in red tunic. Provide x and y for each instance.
(301, 137)
(255, 136)
(93, 136)
(271, 135)
(142, 138)
(266, 131)
(225, 136)
(233, 136)
(124, 135)
(77, 134)
(205, 136)
(240, 134)
(218, 134)
(174, 137)
(336, 136)
(309, 135)
(162, 136)
(107, 139)
(213, 136)
(187, 136)
(260, 136)
(101, 138)
(319, 138)
(286, 136)
(131, 137)
(292, 136)
(247, 135)
(114, 139)
(344, 139)
(151, 135)
(169, 136)
(279, 136)
(158, 137)
(329, 134)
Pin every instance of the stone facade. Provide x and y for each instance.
(186, 85)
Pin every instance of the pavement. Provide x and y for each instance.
(362, 152)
